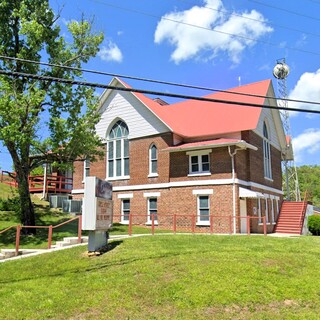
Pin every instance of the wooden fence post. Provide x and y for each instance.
(17, 239)
(79, 228)
(130, 225)
(50, 229)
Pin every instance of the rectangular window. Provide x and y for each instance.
(110, 159)
(125, 210)
(152, 210)
(86, 170)
(199, 163)
(203, 209)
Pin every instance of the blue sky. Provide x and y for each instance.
(170, 40)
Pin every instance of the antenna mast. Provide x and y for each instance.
(290, 181)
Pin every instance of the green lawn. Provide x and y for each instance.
(168, 277)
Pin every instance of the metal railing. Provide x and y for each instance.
(50, 231)
(190, 223)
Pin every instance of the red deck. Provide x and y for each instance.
(54, 183)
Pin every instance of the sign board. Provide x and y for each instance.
(97, 205)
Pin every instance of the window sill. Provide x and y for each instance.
(153, 175)
(269, 179)
(118, 178)
(197, 174)
(124, 222)
(203, 224)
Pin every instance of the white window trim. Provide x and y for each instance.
(204, 192)
(125, 196)
(151, 194)
(199, 154)
(86, 165)
(122, 213)
(149, 220)
(153, 174)
(267, 165)
(115, 177)
(199, 222)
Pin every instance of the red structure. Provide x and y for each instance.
(47, 184)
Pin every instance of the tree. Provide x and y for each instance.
(29, 31)
(309, 181)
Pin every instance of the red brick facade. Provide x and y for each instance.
(176, 192)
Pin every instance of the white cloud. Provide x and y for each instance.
(110, 52)
(306, 144)
(193, 42)
(308, 89)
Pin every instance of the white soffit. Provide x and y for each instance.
(246, 193)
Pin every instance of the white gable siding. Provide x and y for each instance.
(267, 115)
(139, 119)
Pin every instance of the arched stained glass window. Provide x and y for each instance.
(118, 150)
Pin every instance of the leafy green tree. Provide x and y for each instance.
(309, 181)
(29, 30)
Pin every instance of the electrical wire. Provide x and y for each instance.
(285, 10)
(205, 28)
(143, 91)
(158, 81)
(256, 20)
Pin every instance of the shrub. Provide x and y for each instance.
(10, 204)
(314, 224)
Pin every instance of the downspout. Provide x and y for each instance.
(232, 154)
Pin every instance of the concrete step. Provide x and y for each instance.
(69, 241)
(8, 253)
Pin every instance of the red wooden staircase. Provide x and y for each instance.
(291, 217)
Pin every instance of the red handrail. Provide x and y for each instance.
(50, 231)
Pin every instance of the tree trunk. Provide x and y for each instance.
(27, 214)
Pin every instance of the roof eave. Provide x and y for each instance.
(240, 144)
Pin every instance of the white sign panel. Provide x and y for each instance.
(97, 205)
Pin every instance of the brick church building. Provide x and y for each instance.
(206, 164)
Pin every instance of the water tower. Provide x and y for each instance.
(290, 179)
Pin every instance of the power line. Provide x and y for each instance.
(257, 20)
(157, 81)
(285, 10)
(204, 28)
(143, 91)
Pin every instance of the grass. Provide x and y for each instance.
(169, 277)
(46, 216)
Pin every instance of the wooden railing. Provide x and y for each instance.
(41, 183)
(50, 231)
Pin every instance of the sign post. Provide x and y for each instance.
(97, 213)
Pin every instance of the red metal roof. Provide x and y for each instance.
(211, 144)
(192, 118)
